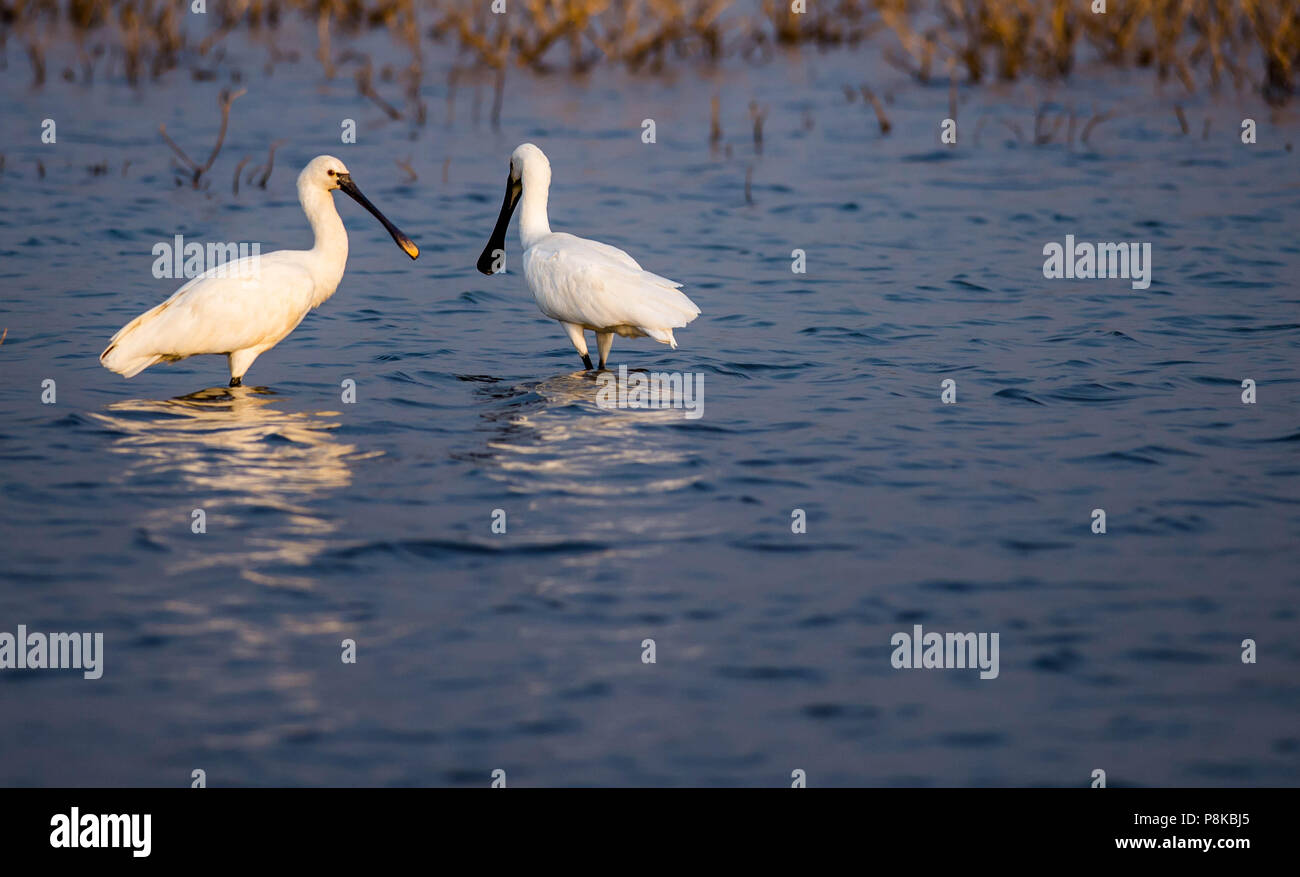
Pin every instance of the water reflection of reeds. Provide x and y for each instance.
(1253, 42)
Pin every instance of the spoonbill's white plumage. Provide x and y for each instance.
(243, 308)
(583, 284)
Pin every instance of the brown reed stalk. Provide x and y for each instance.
(225, 99)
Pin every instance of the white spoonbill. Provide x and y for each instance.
(582, 283)
(243, 308)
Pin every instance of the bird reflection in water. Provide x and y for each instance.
(234, 454)
(553, 436)
(575, 464)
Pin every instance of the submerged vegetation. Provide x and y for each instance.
(1244, 43)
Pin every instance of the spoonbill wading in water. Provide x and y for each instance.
(584, 284)
(244, 308)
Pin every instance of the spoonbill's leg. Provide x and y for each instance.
(240, 360)
(604, 341)
(579, 342)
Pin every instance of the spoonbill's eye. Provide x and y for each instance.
(330, 172)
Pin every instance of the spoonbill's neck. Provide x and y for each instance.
(331, 246)
(533, 223)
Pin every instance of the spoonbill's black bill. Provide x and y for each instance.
(496, 246)
(408, 246)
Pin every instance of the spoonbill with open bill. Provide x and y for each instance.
(582, 283)
(245, 307)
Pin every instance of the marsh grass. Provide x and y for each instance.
(1247, 43)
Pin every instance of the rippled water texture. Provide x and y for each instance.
(371, 521)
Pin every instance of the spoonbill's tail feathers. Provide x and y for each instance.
(663, 336)
(115, 359)
(157, 334)
(663, 308)
(128, 351)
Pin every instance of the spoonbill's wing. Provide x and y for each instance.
(585, 285)
(597, 249)
(245, 303)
